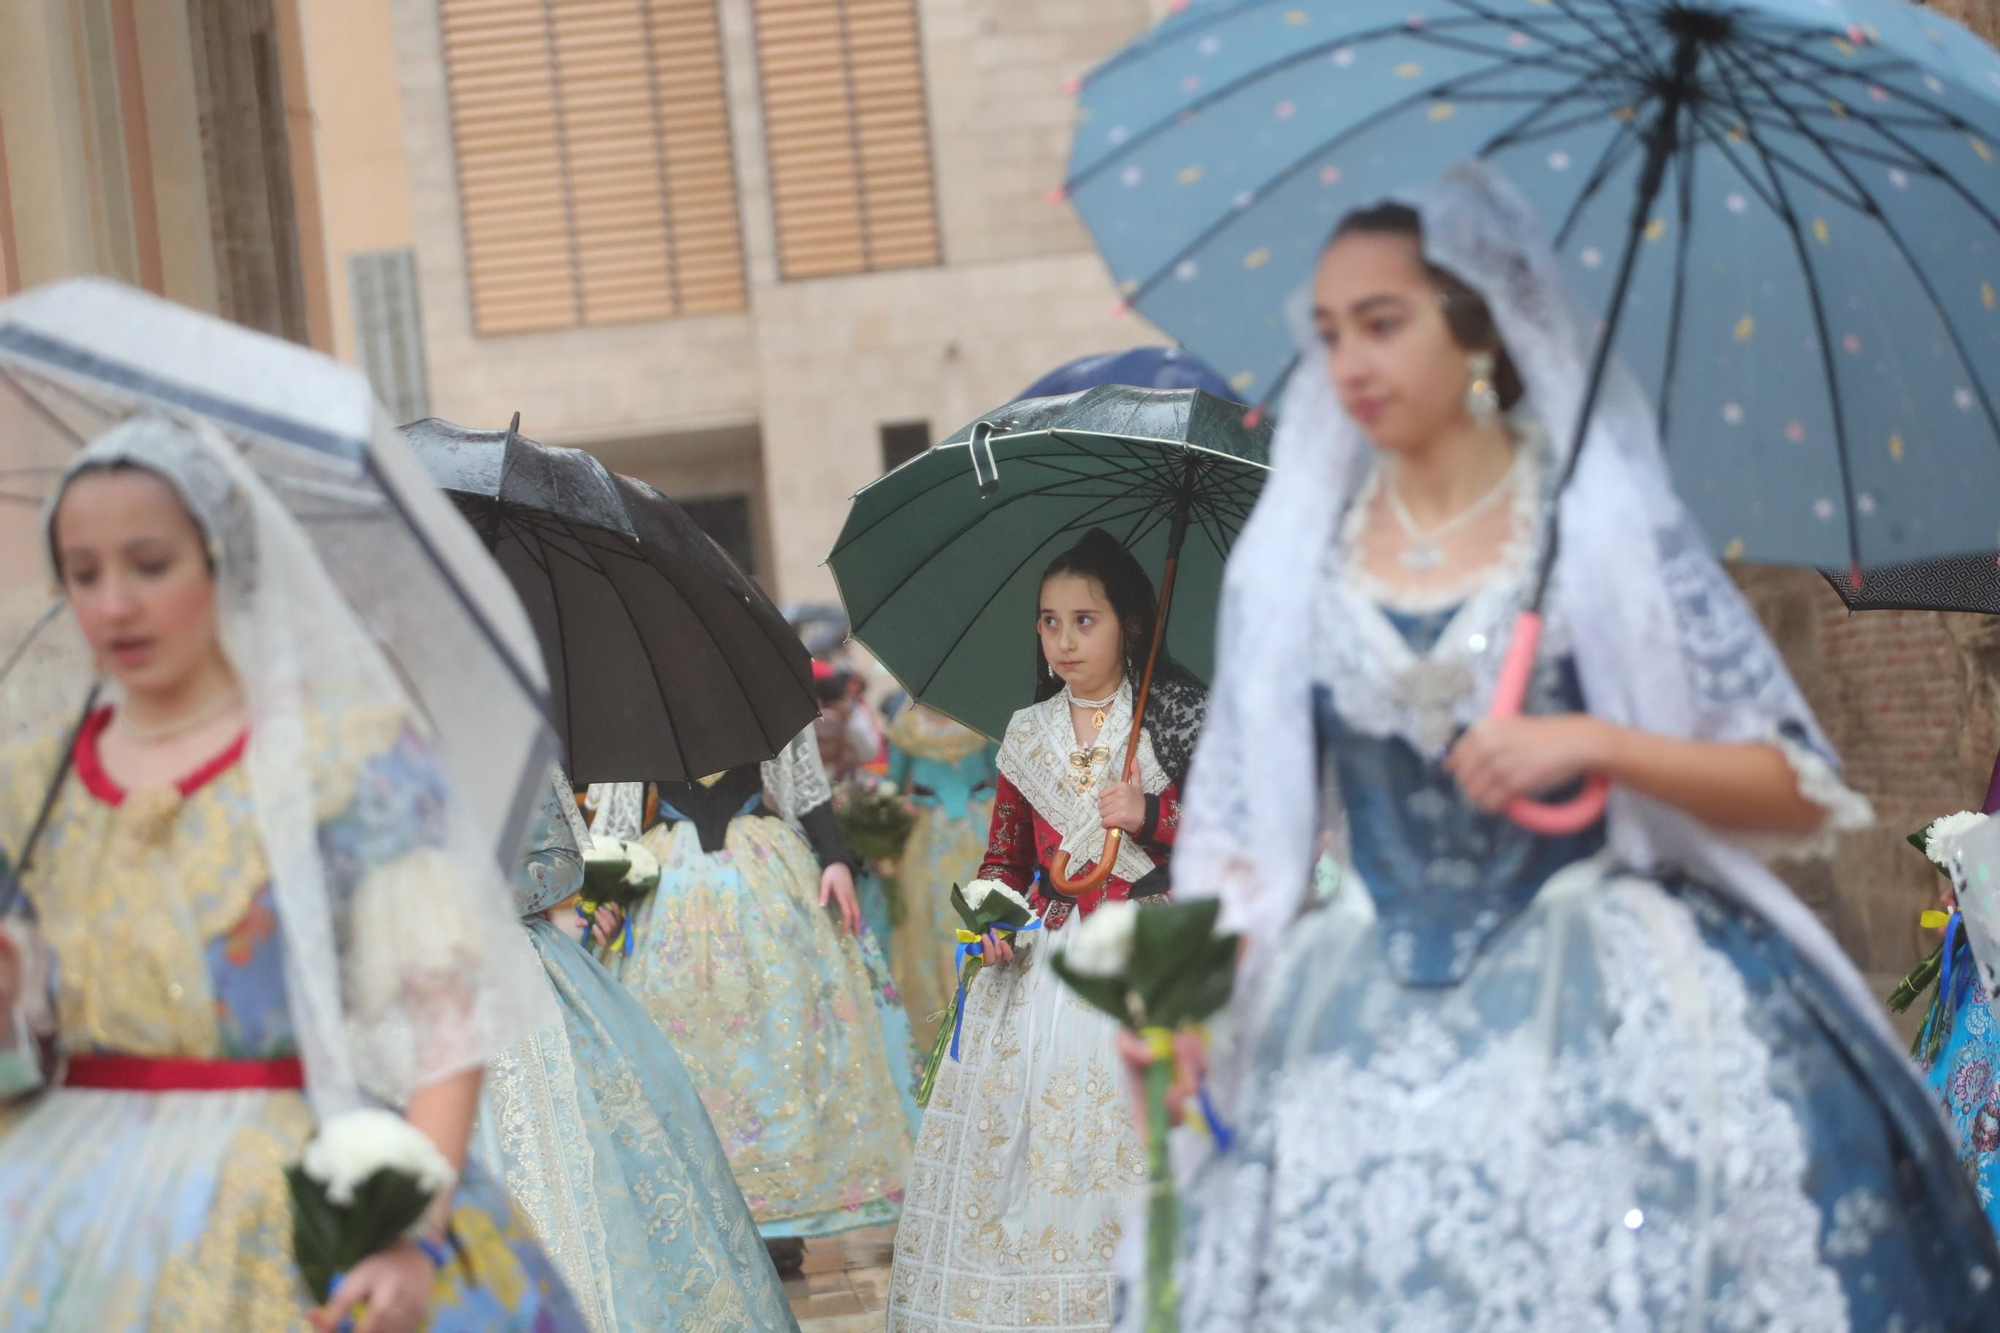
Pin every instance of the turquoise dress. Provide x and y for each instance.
(602, 1139)
(1965, 1078)
(167, 1212)
(948, 773)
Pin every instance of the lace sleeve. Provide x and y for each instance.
(431, 973)
(796, 779)
(617, 810)
(1742, 692)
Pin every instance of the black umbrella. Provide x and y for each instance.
(665, 661)
(1965, 583)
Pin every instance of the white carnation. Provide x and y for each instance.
(976, 892)
(354, 1145)
(606, 849)
(1102, 945)
(645, 866)
(1941, 834)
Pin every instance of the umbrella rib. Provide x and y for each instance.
(1706, 129)
(1448, 42)
(1685, 242)
(1306, 53)
(1827, 365)
(1518, 134)
(1044, 458)
(973, 619)
(1325, 146)
(1640, 52)
(1950, 326)
(1951, 119)
(42, 409)
(1621, 146)
(1805, 173)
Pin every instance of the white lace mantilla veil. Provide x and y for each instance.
(1662, 639)
(436, 977)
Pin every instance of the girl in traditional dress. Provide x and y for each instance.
(601, 1138)
(786, 1020)
(947, 773)
(1619, 1079)
(246, 897)
(1027, 1161)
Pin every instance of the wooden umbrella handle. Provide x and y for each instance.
(1093, 879)
(1550, 819)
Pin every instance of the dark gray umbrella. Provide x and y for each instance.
(665, 661)
(1963, 583)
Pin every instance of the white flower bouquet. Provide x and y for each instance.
(985, 905)
(616, 874)
(1937, 840)
(365, 1181)
(1154, 969)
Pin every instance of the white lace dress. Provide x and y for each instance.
(1497, 1085)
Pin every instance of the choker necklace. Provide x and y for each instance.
(1099, 714)
(180, 726)
(1424, 552)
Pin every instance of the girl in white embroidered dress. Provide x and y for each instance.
(1506, 1081)
(1026, 1161)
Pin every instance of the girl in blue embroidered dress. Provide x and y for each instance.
(1614, 1080)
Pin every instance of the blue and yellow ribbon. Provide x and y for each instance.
(973, 945)
(1202, 1115)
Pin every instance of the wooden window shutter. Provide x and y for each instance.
(595, 174)
(847, 130)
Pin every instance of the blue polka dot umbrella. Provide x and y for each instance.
(1788, 210)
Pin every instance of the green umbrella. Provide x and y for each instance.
(940, 561)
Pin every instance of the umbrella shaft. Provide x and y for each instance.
(1662, 141)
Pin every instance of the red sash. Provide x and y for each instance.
(141, 1073)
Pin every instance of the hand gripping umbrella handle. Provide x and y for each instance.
(1552, 820)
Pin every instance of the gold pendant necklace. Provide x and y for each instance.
(1085, 760)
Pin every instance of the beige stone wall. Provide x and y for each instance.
(816, 366)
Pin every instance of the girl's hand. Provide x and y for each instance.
(1190, 1068)
(998, 949)
(1501, 759)
(837, 885)
(607, 924)
(1121, 806)
(396, 1285)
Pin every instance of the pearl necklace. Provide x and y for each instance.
(179, 726)
(1425, 551)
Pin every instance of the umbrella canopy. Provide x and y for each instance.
(940, 561)
(1797, 201)
(78, 357)
(1140, 367)
(1969, 583)
(665, 661)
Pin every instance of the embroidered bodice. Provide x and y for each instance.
(1444, 874)
(157, 905)
(939, 763)
(1038, 810)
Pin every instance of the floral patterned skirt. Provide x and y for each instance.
(1026, 1165)
(1965, 1078)
(601, 1139)
(775, 1012)
(1640, 1109)
(123, 1212)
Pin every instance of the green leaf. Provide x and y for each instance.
(1181, 969)
(1105, 993)
(316, 1228)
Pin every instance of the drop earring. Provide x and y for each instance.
(1482, 399)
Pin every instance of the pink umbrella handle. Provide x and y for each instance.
(1552, 820)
